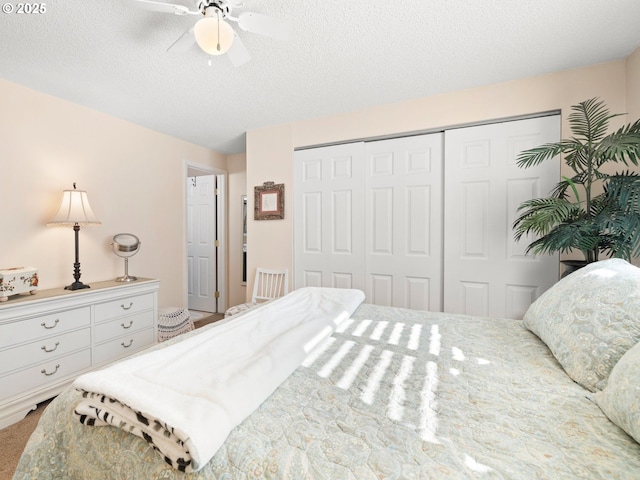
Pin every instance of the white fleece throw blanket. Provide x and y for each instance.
(186, 398)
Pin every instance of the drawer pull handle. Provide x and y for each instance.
(127, 308)
(49, 374)
(127, 326)
(127, 346)
(44, 347)
(52, 326)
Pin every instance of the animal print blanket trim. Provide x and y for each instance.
(98, 410)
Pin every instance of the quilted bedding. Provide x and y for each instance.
(393, 393)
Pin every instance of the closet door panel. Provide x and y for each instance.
(486, 271)
(418, 201)
(475, 219)
(403, 242)
(312, 222)
(328, 218)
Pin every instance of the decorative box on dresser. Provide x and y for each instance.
(48, 339)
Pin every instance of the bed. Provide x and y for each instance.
(401, 394)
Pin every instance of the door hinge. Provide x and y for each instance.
(217, 294)
(216, 191)
(217, 244)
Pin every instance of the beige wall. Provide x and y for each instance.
(633, 86)
(47, 143)
(237, 175)
(133, 177)
(270, 150)
(269, 241)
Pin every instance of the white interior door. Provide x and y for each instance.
(201, 243)
(485, 271)
(403, 243)
(328, 217)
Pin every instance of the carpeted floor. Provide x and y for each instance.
(14, 438)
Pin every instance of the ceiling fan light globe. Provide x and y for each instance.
(208, 39)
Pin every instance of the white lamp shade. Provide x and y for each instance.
(208, 37)
(74, 208)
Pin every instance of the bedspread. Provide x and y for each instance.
(392, 394)
(185, 399)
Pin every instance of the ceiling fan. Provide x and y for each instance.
(213, 34)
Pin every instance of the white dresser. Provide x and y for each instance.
(48, 339)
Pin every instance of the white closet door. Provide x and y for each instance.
(403, 243)
(201, 237)
(329, 217)
(486, 272)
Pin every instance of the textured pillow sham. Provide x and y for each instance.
(620, 400)
(589, 319)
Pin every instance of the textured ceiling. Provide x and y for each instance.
(344, 55)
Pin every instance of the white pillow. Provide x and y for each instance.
(620, 400)
(589, 319)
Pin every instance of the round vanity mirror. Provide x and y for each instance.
(125, 245)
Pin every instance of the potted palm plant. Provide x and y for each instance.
(595, 211)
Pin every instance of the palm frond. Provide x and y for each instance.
(622, 146)
(537, 155)
(623, 190)
(579, 158)
(622, 220)
(590, 120)
(540, 215)
(566, 237)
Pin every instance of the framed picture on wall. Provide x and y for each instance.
(269, 201)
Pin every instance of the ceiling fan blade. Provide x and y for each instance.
(184, 42)
(154, 6)
(265, 25)
(238, 53)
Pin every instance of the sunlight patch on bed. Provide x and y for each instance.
(352, 372)
(428, 416)
(317, 353)
(414, 339)
(362, 326)
(342, 317)
(317, 339)
(457, 354)
(398, 396)
(344, 325)
(330, 366)
(482, 361)
(434, 341)
(603, 272)
(369, 394)
(379, 330)
(396, 333)
(472, 464)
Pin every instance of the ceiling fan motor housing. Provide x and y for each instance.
(214, 6)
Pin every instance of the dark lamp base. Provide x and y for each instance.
(77, 286)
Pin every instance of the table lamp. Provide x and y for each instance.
(74, 211)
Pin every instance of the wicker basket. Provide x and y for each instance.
(173, 321)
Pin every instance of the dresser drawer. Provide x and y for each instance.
(124, 306)
(43, 326)
(123, 346)
(44, 373)
(123, 325)
(44, 350)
